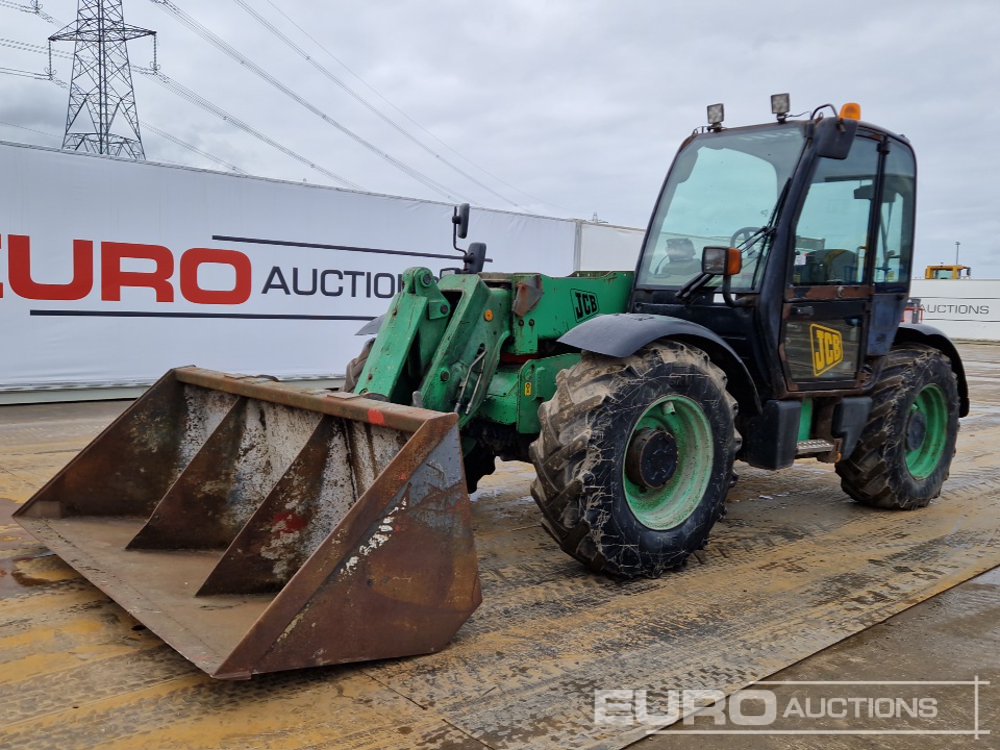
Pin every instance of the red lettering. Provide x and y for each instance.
(21, 283)
(192, 291)
(113, 278)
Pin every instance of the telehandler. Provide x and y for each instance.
(257, 527)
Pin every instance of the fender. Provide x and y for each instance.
(921, 333)
(624, 334)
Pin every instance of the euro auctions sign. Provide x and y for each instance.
(112, 272)
(121, 265)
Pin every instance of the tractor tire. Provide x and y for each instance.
(904, 453)
(479, 462)
(356, 366)
(635, 458)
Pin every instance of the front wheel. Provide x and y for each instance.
(635, 458)
(904, 454)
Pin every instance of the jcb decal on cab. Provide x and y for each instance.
(827, 348)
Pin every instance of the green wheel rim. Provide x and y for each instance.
(669, 506)
(931, 409)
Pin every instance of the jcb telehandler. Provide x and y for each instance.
(257, 527)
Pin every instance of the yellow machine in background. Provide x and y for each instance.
(947, 272)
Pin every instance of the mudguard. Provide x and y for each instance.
(624, 334)
(921, 333)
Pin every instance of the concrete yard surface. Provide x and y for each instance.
(798, 583)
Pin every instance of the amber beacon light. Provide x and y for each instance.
(851, 111)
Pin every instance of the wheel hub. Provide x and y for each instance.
(916, 431)
(651, 460)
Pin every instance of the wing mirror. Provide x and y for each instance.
(834, 136)
(721, 261)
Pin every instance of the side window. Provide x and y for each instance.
(831, 238)
(896, 216)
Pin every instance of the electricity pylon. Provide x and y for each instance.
(102, 117)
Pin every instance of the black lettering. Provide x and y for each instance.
(295, 284)
(322, 283)
(275, 280)
(381, 294)
(354, 281)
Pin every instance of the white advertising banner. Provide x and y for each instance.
(112, 272)
(609, 248)
(961, 308)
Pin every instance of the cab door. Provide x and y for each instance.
(827, 305)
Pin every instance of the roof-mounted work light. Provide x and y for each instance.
(716, 114)
(780, 106)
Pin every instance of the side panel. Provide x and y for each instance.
(545, 308)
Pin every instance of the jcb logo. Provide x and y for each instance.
(827, 348)
(584, 304)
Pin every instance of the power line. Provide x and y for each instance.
(35, 9)
(190, 96)
(191, 147)
(364, 102)
(155, 130)
(23, 73)
(53, 136)
(406, 116)
(224, 47)
(28, 47)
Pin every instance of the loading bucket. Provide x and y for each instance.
(256, 527)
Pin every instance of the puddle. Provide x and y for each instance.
(18, 574)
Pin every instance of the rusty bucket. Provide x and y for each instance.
(256, 527)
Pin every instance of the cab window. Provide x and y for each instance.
(831, 236)
(896, 218)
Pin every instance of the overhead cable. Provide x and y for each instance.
(191, 147)
(190, 96)
(361, 100)
(23, 73)
(230, 51)
(412, 121)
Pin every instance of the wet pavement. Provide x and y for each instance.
(785, 577)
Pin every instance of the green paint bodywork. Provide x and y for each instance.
(484, 345)
(806, 420)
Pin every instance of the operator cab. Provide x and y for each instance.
(801, 233)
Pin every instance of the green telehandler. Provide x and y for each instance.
(257, 527)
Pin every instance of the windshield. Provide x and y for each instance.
(723, 190)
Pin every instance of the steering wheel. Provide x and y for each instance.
(742, 235)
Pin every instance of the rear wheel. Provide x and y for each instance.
(904, 454)
(635, 458)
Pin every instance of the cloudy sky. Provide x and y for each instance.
(561, 107)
